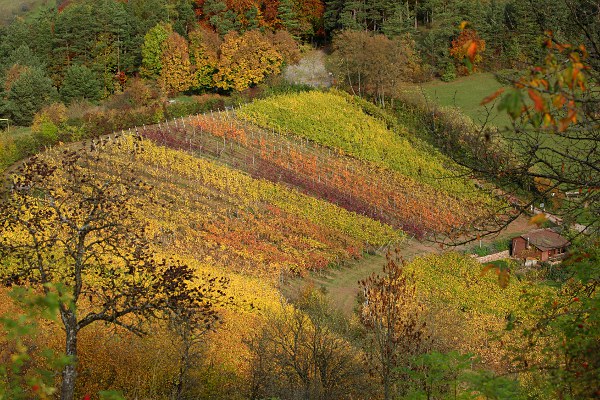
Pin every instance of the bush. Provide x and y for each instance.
(46, 134)
(197, 105)
(8, 152)
(449, 73)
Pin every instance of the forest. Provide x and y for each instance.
(299, 199)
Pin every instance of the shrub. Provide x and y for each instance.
(197, 105)
(449, 73)
(46, 134)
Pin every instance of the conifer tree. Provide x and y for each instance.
(80, 83)
(31, 91)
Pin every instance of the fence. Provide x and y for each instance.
(284, 158)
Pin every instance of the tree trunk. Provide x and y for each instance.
(69, 373)
(183, 370)
(387, 390)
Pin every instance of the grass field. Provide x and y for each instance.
(13, 8)
(466, 93)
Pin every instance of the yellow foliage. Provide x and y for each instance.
(246, 60)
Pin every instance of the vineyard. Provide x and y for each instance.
(226, 218)
(360, 186)
(468, 308)
(331, 120)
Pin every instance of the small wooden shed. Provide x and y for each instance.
(542, 244)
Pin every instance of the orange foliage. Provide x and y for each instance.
(467, 48)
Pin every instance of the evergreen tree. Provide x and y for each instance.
(222, 19)
(331, 18)
(27, 95)
(183, 17)
(400, 21)
(289, 17)
(354, 15)
(143, 15)
(80, 83)
(23, 55)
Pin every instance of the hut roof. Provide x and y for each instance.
(545, 239)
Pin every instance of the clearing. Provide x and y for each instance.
(466, 93)
(341, 283)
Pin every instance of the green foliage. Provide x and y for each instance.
(288, 16)
(22, 55)
(17, 379)
(449, 73)
(110, 395)
(80, 83)
(27, 95)
(494, 387)
(490, 248)
(439, 376)
(182, 106)
(47, 134)
(152, 50)
(561, 353)
(222, 19)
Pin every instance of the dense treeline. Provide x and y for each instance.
(86, 49)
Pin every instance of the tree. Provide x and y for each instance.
(246, 60)
(300, 353)
(190, 325)
(222, 19)
(68, 227)
(176, 72)
(394, 319)
(204, 56)
(285, 45)
(288, 17)
(152, 50)
(31, 91)
(17, 380)
(553, 139)
(373, 64)
(80, 83)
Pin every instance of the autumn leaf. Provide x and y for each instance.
(504, 278)
(487, 268)
(471, 50)
(492, 96)
(538, 101)
(538, 219)
(463, 25)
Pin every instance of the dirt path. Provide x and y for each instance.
(341, 284)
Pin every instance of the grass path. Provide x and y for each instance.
(341, 283)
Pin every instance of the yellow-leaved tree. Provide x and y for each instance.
(204, 55)
(246, 60)
(176, 73)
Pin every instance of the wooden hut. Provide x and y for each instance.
(541, 244)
